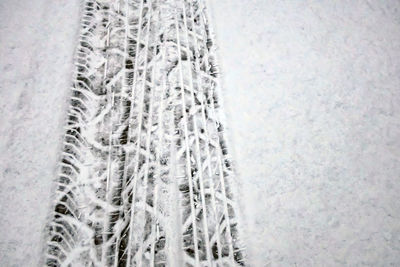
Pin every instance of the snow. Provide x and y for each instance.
(311, 95)
(37, 40)
(312, 98)
(137, 120)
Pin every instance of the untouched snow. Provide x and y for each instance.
(37, 40)
(311, 94)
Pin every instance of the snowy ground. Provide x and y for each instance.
(311, 93)
(37, 40)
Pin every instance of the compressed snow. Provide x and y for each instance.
(145, 174)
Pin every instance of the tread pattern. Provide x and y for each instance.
(145, 172)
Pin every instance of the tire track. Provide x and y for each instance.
(145, 173)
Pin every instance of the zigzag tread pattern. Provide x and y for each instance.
(145, 175)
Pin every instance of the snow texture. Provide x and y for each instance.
(37, 40)
(311, 90)
(312, 93)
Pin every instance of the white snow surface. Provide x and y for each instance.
(37, 41)
(312, 95)
(312, 98)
